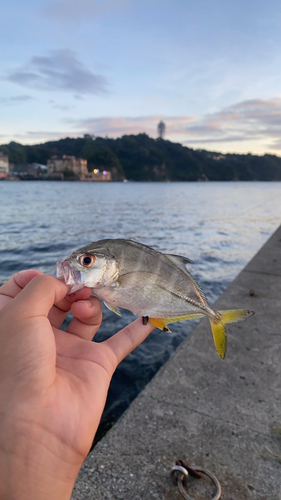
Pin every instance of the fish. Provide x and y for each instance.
(154, 285)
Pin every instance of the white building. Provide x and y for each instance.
(4, 165)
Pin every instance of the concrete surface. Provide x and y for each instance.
(224, 415)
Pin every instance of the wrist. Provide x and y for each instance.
(29, 478)
(35, 469)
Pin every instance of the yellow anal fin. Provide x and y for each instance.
(162, 322)
(159, 323)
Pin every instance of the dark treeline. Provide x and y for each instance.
(141, 158)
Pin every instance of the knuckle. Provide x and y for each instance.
(129, 332)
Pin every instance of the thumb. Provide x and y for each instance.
(37, 298)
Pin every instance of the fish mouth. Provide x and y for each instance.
(70, 276)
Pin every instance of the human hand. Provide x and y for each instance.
(53, 384)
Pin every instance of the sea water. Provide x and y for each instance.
(220, 226)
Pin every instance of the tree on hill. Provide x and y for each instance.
(15, 151)
(141, 158)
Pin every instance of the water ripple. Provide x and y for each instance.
(218, 225)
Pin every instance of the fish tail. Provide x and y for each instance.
(218, 327)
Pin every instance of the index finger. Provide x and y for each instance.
(61, 309)
(127, 339)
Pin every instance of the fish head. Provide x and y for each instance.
(88, 267)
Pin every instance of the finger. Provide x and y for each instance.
(82, 294)
(126, 340)
(60, 310)
(87, 318)
(15, 285)
(37, 298)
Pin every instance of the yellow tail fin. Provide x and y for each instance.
(218, 327)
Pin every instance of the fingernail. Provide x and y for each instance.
(87, 302)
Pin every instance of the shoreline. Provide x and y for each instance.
(199, 181)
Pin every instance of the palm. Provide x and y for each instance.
(69, 374)
(83, 373)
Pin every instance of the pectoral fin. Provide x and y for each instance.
(112, 308)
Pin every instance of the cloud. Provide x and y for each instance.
(15, 99)
(252, 125)
(36, 137)
(251, 120)
(117, 126)
(61, 70)
(77, 10)
(62, 107)
(256, 121)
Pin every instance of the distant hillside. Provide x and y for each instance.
(141, 158)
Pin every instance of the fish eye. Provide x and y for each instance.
(86, 260)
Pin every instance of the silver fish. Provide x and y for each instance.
(151, 284)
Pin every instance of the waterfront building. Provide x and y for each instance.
(98, 176)
(65, 163)
(4, 165)
(27, 170)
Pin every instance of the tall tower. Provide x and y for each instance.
(161, 129)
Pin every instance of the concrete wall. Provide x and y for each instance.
(224, 415)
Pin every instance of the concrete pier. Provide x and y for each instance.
(224, 415)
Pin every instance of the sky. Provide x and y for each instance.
(210, 69)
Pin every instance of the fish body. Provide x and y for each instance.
(124, 273)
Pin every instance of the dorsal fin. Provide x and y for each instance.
(179, 261)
